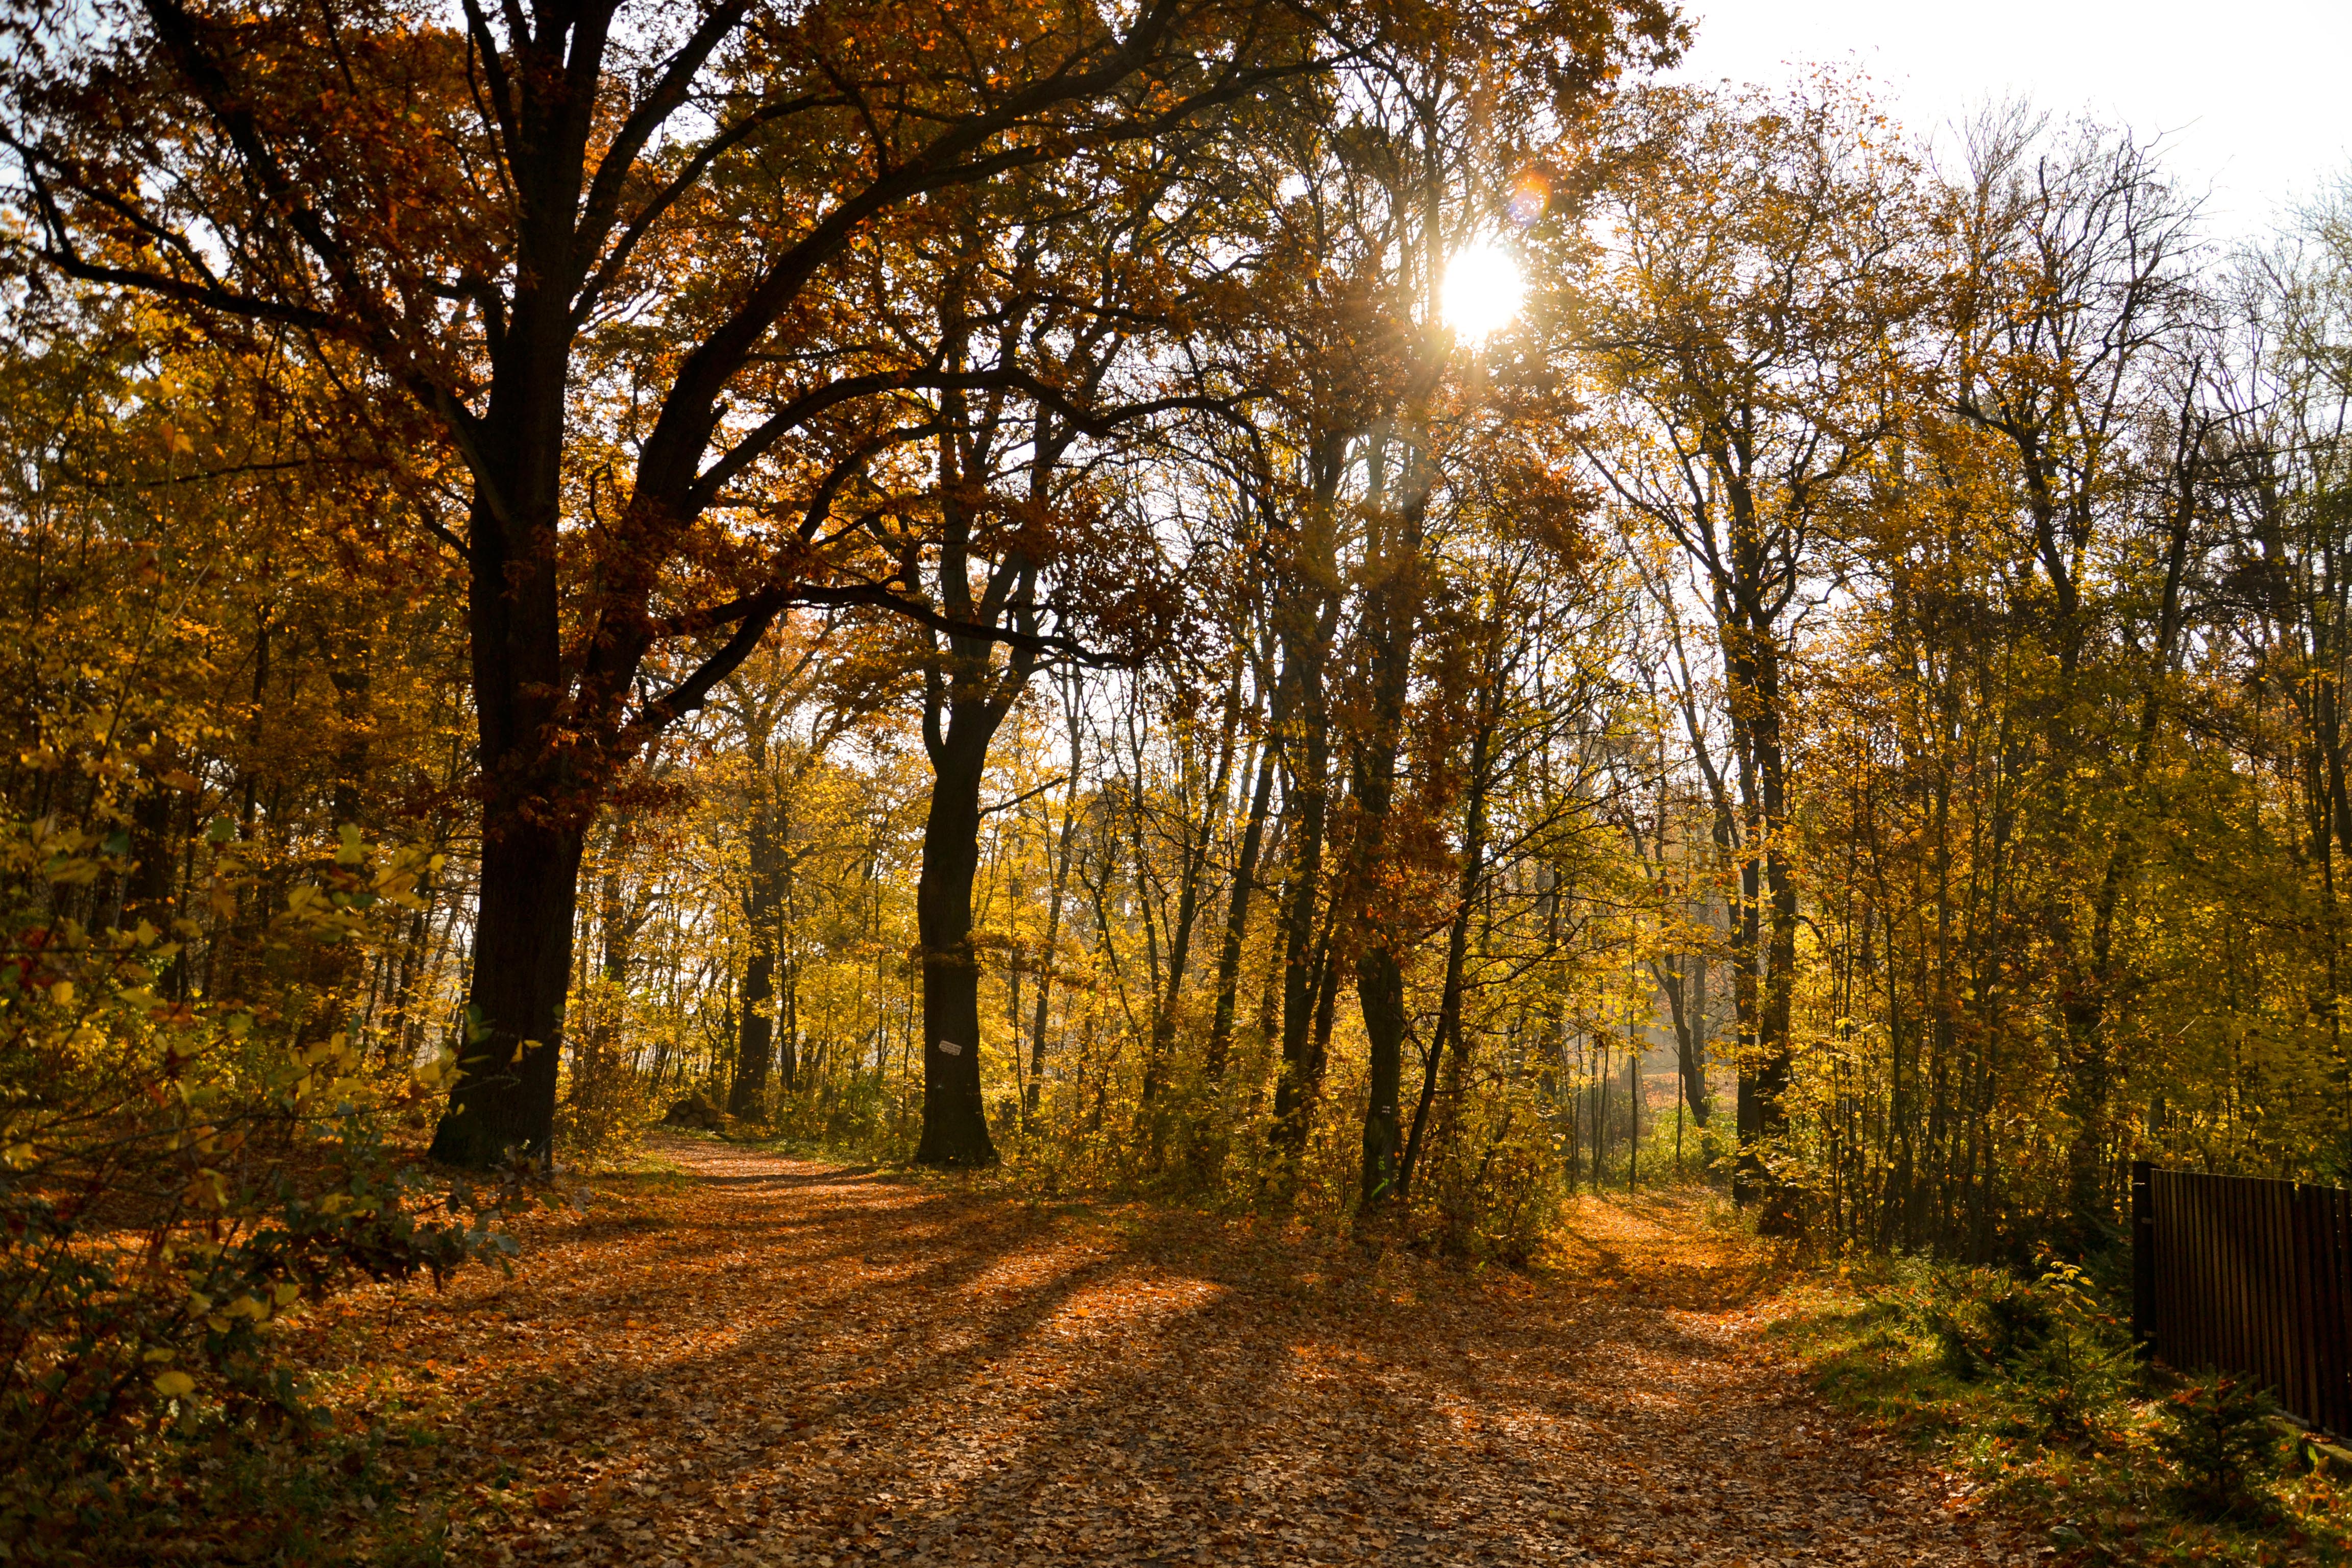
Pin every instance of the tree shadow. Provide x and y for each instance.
(951, 1376)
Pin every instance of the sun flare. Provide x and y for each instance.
(1482, 292)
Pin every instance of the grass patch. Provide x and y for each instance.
(2031, 1391)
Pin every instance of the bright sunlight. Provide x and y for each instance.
(1482, 292)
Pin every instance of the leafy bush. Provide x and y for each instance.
(1979, 1319)
(1494, 1180)
(176, 1174)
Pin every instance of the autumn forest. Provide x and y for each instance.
(1385, 626)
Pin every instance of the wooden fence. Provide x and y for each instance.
(2248, 1276)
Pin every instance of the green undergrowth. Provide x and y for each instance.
(2030, 1390)
(299, 1496)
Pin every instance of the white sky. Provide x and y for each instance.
(2255, 95)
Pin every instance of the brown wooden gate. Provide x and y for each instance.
(2249, 1275)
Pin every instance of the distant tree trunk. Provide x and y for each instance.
(1030, 1095)
(1633, 1106)
(1188, 905)
(755, 1045)
(1238, 909)
(1685, 998)
(1600, 1043)
(1449, 1031)
(401, 1042)
(147, 889)
(1303, 958)
(1695, 1068)
(1132, 791)
(788, 1055)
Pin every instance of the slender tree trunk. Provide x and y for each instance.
(1392, 618)
(1188, 905)
(1449, 1032)
(1237, 908)
(1053, 909)
(2091, 1080)
(788, 1053)
(1769, 934)
(1304, 621)
(1303, 958)
(1695, 1071)
(1686, 994)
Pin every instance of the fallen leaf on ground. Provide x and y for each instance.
(802, 1365)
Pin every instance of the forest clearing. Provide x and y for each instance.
(776, 1362)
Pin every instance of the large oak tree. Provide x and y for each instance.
(610, 252)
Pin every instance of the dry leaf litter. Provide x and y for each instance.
(775, 1362)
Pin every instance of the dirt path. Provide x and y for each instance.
(779, 1362)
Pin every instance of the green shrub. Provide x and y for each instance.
(2220, 1442)
(2069, 1356)
(2018, 1321)
(2048, 1338)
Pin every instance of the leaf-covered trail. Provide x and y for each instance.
(777, 1362)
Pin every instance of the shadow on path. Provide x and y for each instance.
(778, 1361)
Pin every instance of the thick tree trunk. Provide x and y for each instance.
(1380, 993)
(535, 809)
(755, 1036)
(504, 1102)
(955, 1121)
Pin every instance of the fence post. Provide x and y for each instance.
(2143, 1201)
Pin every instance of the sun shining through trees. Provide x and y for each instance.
(1482, 292)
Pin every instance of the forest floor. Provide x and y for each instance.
(750, 1359)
